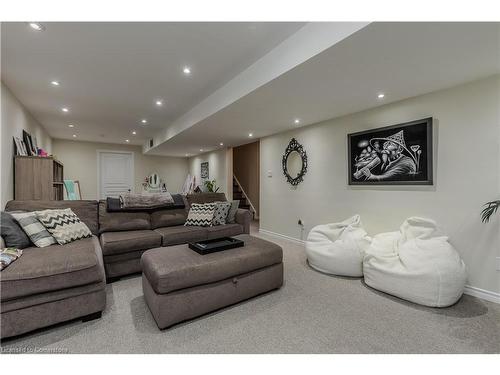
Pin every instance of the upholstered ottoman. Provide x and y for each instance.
(180, 284)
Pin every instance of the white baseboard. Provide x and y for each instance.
(469, 290)
(269, 233)
(483, 294)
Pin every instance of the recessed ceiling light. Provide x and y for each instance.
(222, 144)
(296, 121)
(64, 109)
(187, 154)
(201, 150)
(134, 132)
(71, 126)
(159, 103)
(250, 135)
(54, 83)
(186, 70)
(74, 135)
(381, 96)
(127, 140)
(144, 121)
(37, 26)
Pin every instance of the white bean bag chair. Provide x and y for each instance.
(338, 248)
(416, 264)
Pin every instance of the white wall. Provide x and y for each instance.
(15, 119)
(217, 168)
(80, 163)
(466, 175)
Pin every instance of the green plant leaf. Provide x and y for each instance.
(489, 209)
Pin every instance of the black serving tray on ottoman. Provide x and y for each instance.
(215, 245)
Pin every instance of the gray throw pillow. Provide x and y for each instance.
(231, 216)
(12, 234)
(221, 211)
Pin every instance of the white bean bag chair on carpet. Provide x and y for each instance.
(338, 248)
(416, 264)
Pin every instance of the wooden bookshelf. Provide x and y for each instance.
(38, 178)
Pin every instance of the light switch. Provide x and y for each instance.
(269, 173)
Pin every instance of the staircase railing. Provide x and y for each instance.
(252, 208)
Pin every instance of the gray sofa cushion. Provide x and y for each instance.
(202, 198)
(168, 218)
(127, 241)
(86, 210)
(12, 233)
(227, 230)
(181, 234)
(122, 221)
(180, 268)
(231, 215)
(52, 268)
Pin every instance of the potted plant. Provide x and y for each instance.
(211, 186)
(489, 209)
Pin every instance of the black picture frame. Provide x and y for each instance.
(204, 172)
(29, 143)
(399, 154)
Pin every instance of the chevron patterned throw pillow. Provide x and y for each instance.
(201, 215)
(64, 225)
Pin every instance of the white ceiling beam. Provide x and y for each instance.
(309, 41)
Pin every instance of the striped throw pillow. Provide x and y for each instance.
(34, 229)
(64, 225)
(201, 215)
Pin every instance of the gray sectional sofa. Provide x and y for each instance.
(58, 283)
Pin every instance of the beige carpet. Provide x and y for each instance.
(312, 313)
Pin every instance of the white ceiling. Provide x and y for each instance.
(111, 73)
(400, 59)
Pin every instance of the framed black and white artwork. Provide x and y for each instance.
(204, 170)
(394, 155)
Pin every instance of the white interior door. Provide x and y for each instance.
(116, 173)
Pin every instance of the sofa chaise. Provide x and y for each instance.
(57, 283)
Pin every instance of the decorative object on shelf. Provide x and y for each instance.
(34, 143)
(20, 148)
(29, 144)
(294, 162)
(393, 155)
(204, 170)
(211, 186)
(489, 209)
